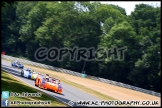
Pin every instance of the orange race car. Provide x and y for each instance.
(48, 83)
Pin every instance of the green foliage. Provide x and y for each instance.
(26, 26)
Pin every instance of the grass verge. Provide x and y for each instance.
(12, 84)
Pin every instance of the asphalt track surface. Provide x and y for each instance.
(69, 93)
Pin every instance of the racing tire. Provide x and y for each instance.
(22, 73)
(12, 66)
(35, 83)
(39, 84)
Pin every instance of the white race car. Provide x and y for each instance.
(28, 73)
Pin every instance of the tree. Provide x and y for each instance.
(146, 22)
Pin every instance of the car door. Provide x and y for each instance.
(30, 75)
(34, 75)
(16, 64)
(43, 82)
(26, 73)
(13, 64)
(19, 65)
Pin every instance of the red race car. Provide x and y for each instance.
(48, 83)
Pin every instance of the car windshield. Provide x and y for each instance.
(56, 81)
(29, 70)
(41, 76)
(48, 79)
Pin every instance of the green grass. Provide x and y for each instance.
(12, 84)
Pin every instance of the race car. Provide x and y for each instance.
(17, 64)
(48, 84)
(29, 73)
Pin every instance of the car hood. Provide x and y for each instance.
(52, 84)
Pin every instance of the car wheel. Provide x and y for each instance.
(39, 84)
(22, 73)
(35, 83)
